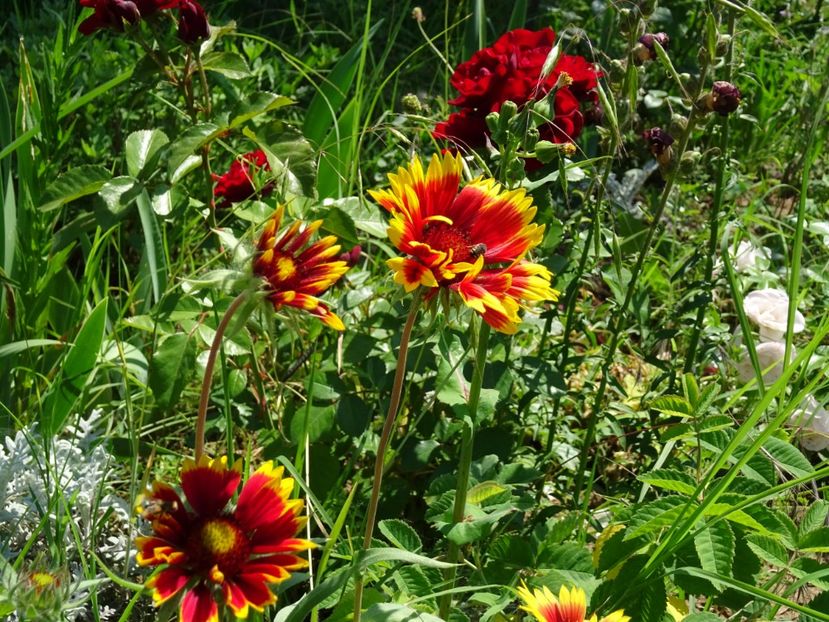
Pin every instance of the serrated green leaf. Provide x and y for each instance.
(75, 370)
(715, 547)
(815, 517)
(816, 541)
(257, 105)
(672, 405)
(143, 148)
(400, 534)
(388, 612)
(670, 479)
(655, 515)
(73, 184)
(483, 491)
(182, 150)
(229, 64)
(769, 550)
(170, 369)
(788, 457)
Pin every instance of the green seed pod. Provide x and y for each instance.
(515, 170)
(545, 151)
(678, 123)
(689, 161)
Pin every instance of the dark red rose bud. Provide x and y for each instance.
(192, 23)
(725, 97)
(351, 257)
(645, 49)
(659, 142)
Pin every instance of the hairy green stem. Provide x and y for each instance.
(465, 459)
(618, 322)
(204, 398)
(714, 217)
(388, 426)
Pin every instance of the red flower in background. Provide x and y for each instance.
(237, 184)
(113, 13)
(192, 23)
(510, 69)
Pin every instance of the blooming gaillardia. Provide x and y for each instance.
(511, 70)
(471, 240)
(569, 606)
(295, 272)
(211, 553)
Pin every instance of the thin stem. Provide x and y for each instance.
(204, 398)
(618, 326)
(714, 219)
(465, 460)
(388, 426)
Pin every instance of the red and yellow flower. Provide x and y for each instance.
(470, 240)
(297, 274)
(570, 606)
(210, 554)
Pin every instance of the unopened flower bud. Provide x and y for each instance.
(659, 142)
(617, 70)
(417, 15)
(645, 50)
(492, 122)
(689, 161)
(545, 151)
(647, 7)
(515, 170)
(530, 139)
(678, 123)
(351, 257)
(411, 104)
(723, 41)
(192, 23)
(507, 111)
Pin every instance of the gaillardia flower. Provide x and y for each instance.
(471, 241)
(570, 606)
(297, 274)
(211, 554)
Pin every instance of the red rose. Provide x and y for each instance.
(237, 184)
(510, 69)
(192, 23)
(113, 13)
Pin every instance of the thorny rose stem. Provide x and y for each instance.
(204, 398)
(391, 416)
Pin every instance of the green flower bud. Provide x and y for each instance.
(492, 122)
(545, 151)
(530, 139)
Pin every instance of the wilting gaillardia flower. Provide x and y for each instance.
(210, 553)
(237, 184)
(570, 606)
(295, 273)
(469, 240)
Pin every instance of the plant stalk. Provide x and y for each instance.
(465, 461)
(388, 426)
(204, 398)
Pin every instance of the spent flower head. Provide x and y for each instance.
(471, 241)
(211, 553)
(645, 49)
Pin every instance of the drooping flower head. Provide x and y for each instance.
(297, 273)
(192, 23)
(237, 184)
(469, 240)
(769, 309)
(570, 606)
(210, 553)
(510, 69)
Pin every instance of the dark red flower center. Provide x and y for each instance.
(218, 542)
(443, 237)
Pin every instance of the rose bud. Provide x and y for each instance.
(659, 142)
(192, 23)
(645, 50)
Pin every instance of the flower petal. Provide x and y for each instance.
(168, 583)
(198, 605)
(209, 484)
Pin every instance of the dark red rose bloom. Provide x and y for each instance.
(237, 184)
(192, 23)
(113, 13)
(510, 69)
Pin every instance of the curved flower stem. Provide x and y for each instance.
(385, 435)
(465, 461)
(617, 327)
(714, 219)
(204, 398)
